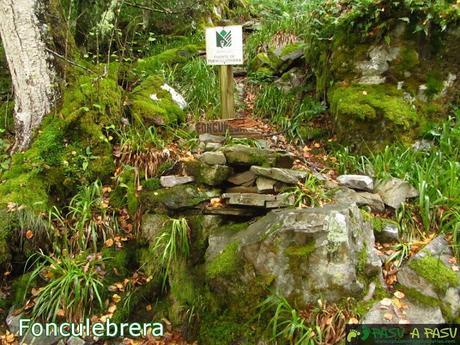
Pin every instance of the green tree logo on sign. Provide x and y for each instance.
(224, 39)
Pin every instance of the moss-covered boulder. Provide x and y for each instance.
(429, 279)
(70, 149)
(152, 103)
(374, 114)
(307, 254)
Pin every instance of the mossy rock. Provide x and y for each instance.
(178, 197)
(262, 64)
(375, 114)
(70, 148)
(210, 175)
(170, 57)
(150, 104)
(435, 272)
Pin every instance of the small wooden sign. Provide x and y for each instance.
(234, 127)
(224, 47)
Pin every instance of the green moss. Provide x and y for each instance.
(376, 113)
(20, 288)
(151, 184)
(416, 296)
(125, 192)
(407, 61)
(206, 174)
(132, 306)
(159, 111)
(5, 233)
(119, 261)
(153, 64)
(436, 272)
(362, 260)
(226, 263)
(434, 83)
(51, 163)
(303, 251)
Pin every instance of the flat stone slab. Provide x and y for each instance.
(210, 138)
(231, 211)
(359, 182)
(258, 200)
(172, 180)
(243, 179)
(242, 189)
(213, 158)
(288, 176)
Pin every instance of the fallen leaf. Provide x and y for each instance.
(353, 321)
(112, 309)
(386, 302)
(60, 313)
(455, 268)
(116, 298)
(399, 294)
(29, 234)
(388, 316)
(148, 307)
(109, 243)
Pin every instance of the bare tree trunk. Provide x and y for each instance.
(26, 37)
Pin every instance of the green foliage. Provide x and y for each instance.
(73, 286)
(287, 324)
(170, 246)
(433, 171)
(199, 84)
(87, 220)
(311, 193)
(293, 115)
(226, 263)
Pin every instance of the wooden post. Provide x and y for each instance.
(227, 100)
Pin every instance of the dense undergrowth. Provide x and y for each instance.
(73, 197)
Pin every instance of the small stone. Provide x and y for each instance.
(212, 147)
(245, 178)
(75, 341)
(389, 233)
(210, 138)
(395, 191)
(359, 182)
(171, 181)
(265, 185)
(213, 158)
(283, 175)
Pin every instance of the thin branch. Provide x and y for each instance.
(69, 61)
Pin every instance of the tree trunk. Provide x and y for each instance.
(27, 40)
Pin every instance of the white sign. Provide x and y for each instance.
(224, 45)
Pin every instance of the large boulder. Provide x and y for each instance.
(307, 253)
